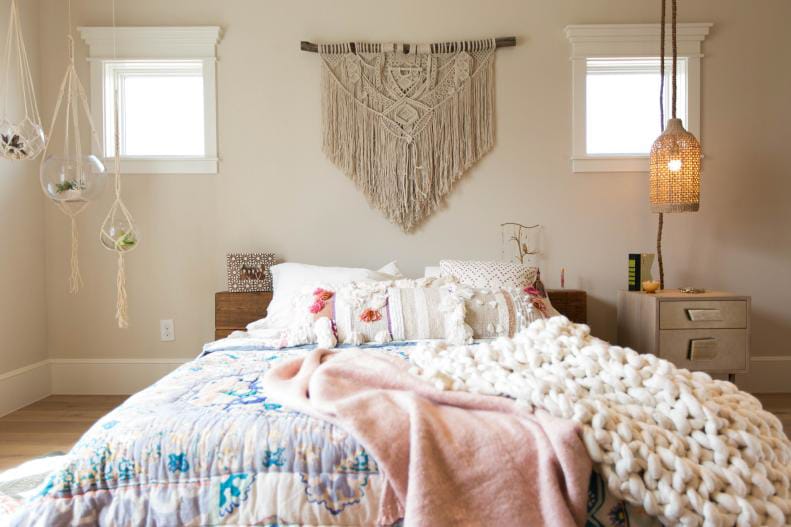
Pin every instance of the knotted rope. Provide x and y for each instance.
(404, 127)
(72, 91)
(118, 232)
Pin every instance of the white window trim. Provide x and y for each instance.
(129, 44)
(627, 40)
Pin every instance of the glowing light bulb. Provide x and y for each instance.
(674, 165)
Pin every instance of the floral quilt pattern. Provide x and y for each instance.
(204, 446)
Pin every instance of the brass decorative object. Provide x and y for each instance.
(692, 290)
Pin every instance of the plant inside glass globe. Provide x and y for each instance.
(72, 179)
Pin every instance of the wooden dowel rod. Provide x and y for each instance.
(500, 42)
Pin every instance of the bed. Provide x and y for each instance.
(205, 445)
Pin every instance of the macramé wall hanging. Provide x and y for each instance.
(405, 121)
(73, 177)
(21, 137)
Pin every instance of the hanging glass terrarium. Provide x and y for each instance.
(21, 133)
(119, 233)
(71, 176)
(20, 140)
(72, 179)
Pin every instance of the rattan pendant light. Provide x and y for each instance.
(675, 155)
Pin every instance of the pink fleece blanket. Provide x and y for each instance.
(449, 458)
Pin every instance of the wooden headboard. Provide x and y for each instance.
(233, 311)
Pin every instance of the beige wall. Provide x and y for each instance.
(23, 315)
(277, 192)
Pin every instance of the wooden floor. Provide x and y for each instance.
(51, 424)
(55, 423)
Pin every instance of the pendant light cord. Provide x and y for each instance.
(662, 69)
(661, 219)
(675, 53)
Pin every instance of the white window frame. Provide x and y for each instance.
(627, 41)
(111, 51)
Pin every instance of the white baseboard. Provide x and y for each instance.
(24, 386)
(767, 374)
(108, 376)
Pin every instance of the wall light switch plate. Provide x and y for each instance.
(166, 330)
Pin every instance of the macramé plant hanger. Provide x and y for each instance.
(21, 137)
(118, 232)
(72, 177)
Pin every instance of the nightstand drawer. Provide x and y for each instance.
(712, 350)
(703, 314)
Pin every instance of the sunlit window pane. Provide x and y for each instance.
(622, 104)
(162, 115)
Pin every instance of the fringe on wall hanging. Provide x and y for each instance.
(404, 122)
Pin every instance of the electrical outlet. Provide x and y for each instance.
(166, 330)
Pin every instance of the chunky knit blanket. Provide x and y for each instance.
(689, 449)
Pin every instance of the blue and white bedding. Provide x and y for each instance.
(204, 446)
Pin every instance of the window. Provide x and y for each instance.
(621, 96)
(165, 84)
(616, 92)
(160, 107)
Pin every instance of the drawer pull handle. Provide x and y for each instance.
(704, 315)
(703, 349)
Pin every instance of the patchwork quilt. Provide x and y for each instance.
(204, 446)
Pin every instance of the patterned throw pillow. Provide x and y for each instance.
(495, 313)
(404, 314)
(418, 312)
(492, 275)
(405, 310)
(289, 279)
(393, 310)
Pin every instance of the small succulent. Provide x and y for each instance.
(121, 240)
(13, 145)
(69, 184)
(126, 240)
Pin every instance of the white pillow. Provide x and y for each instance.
(289, 278)
(432, 272)
(391, 269)
(506, 275)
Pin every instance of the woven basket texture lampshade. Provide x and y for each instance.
(675, 170)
